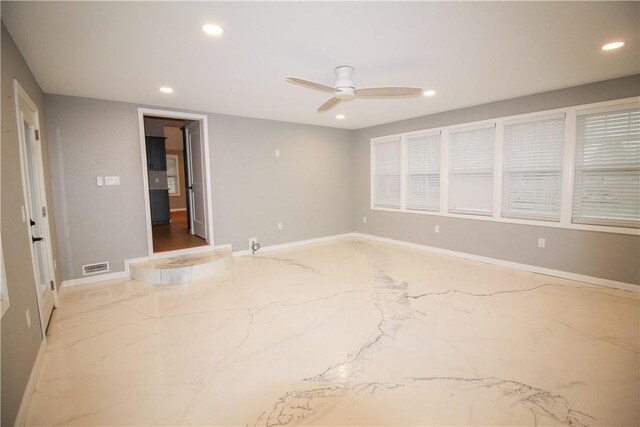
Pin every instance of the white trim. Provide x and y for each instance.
(481, 123)
(25, 404)
(20, 95)
(498, 169)
(565, 221)
(533, 119)
(470, 127)
(540, 223)
(4, 297)
(176, 176)
(126, 273)
(204, 128)
(294, 244)
(568, 167)
(93, 279)
(403, 172)
(178, 210)
(607, 107)
(509, 264)
(494, 261)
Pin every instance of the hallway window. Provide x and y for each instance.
(172, 175)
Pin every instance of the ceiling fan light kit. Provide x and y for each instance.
(344, 89)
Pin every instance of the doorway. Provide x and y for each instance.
(35, 208)
(176, 176)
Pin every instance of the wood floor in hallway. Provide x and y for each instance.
(175, 235)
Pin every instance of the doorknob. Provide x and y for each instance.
(36, 239)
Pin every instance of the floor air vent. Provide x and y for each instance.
(99, 267)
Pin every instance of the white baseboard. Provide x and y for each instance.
(509, 264)
(126, 273)
(27, 396)
(532, 268)
(294, 244)
(178, 210)
(93, 279)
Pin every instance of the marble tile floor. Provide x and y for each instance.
(348, 332)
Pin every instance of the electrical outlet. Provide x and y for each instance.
(28, 314)
(277, 153)
(364, 219)
(542, 242)
(99, 181)
(436, 228)
(279, 226)
(252, 240)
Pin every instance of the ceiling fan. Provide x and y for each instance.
(344, 89)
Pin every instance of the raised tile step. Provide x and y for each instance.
(182, 268)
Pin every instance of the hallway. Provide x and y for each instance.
(175, 235)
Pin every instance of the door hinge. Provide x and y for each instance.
(37, 135)
(52, 285)
(44, 211)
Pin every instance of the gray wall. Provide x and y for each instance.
(307, 188)
(605, 255)
(19, 344)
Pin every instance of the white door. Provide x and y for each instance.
(36, 207)
(196, 180)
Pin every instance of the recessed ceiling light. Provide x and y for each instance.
(166, 89)
(340, 116)
(613, 45)
(429, 92)
(212, 29)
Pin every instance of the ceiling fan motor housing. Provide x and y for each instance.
(345, 89)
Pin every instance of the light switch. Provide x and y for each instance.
(112, 180)
(277, 153)
(99, 181)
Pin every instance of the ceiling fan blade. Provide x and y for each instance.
(329, 105)
(388, 92)
(310, 85)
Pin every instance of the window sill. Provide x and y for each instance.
(495, 218)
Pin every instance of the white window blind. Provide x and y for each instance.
(607, 172)
(532, 185)
(423, 172)
(386, 179)
(471, 171)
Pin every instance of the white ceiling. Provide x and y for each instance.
(470, 53)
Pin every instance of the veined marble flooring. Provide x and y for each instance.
(344, 333)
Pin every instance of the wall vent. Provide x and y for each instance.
(99, 267)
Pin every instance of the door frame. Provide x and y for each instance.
(204, 129)
(21, 95)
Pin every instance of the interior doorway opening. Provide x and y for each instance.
(176, 172)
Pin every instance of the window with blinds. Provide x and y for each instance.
(386, 178)
(532, 175)
(607, 172)
(423, 172)
(471, 155)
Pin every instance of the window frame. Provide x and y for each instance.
(176, 176)
(568, 168)
(4, 292)
(404, 161)
(462, 129)
(535, 119)
(374, 173)
(600, 221)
